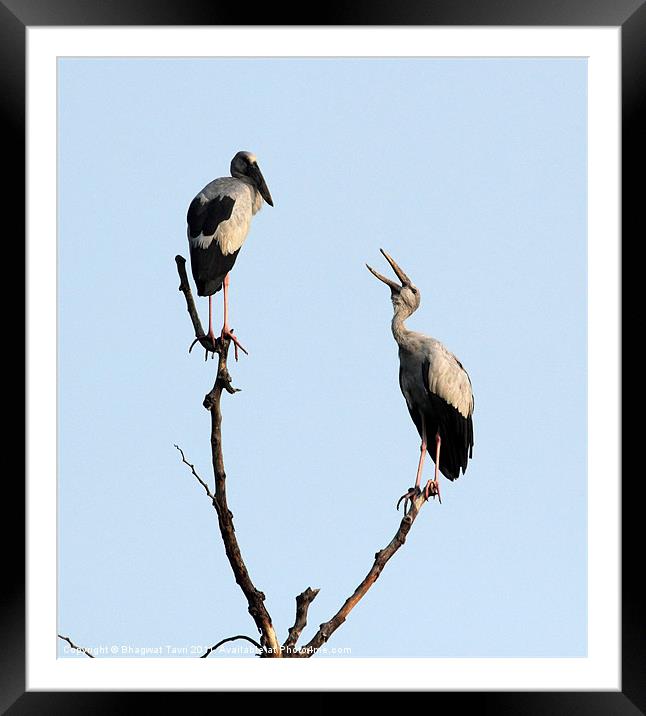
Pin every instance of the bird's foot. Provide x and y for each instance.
(209, 343)
(432, 489)
(227, 333)
(408, 496)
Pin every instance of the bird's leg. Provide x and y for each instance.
(211, 333)
(422, 454)
(226, 331)
(433, 486)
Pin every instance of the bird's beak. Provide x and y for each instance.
(400, 274)
(395, 288)
(260, 183)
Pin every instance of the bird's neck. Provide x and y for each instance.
(400, 332)
(256, 198)
(256, 204)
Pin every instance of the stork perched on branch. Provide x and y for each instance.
(218, 220)
(436, 387)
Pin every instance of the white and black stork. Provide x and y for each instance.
(436, 387)
(218, 220)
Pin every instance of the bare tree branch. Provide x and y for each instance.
(73, 645)
(230, 638)
(269, 645)
(255, 598)
(303, 601)
(381, 558)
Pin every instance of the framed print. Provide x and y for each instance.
(480, 150)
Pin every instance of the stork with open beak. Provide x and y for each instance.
(436, 387)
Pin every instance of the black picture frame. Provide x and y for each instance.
(17, 15)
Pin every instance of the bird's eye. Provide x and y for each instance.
(413, 289)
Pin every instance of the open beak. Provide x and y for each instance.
(260, 183)
(394, 287)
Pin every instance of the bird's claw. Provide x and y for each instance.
(410, 495)
(432, 489)
(228, 333)
(207, 349)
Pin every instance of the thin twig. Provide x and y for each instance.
(381, 558)
(303, 601)
(73, 645)
(197, 477)
(231, 638)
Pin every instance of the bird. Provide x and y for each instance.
(218, 221)
(436, 387)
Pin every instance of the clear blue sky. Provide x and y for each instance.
(472, 174)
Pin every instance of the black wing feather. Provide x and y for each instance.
(204, 218)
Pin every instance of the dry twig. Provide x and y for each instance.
(197, 477)
(73, 645)
(230, 638)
